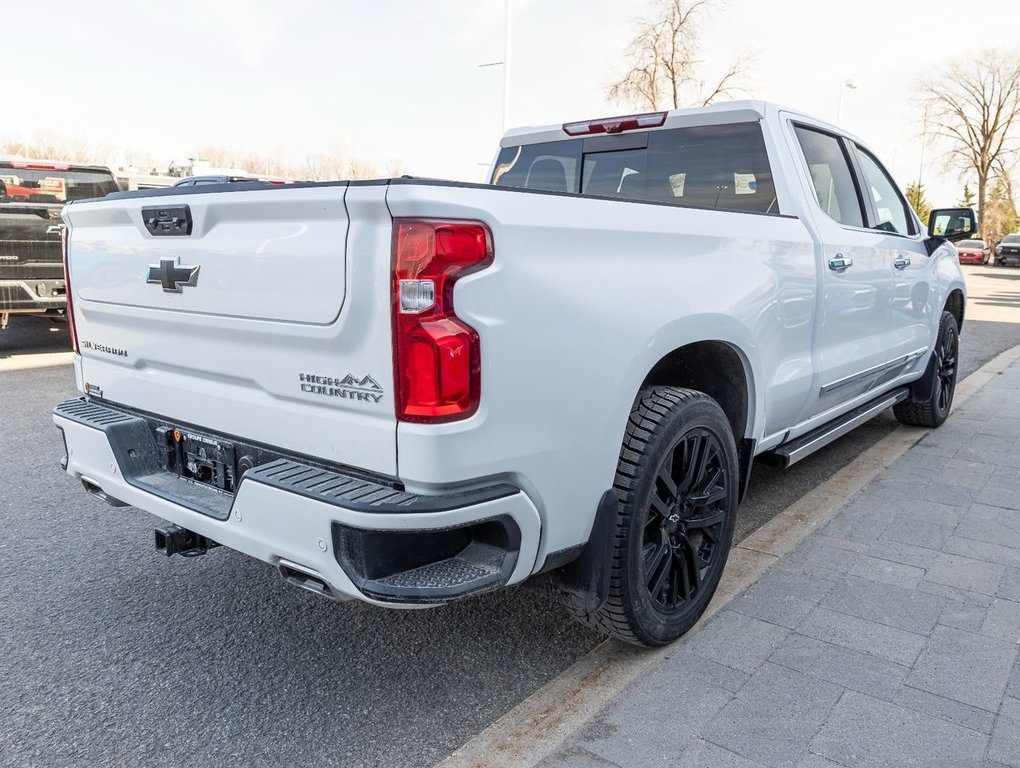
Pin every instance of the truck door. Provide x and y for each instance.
(911, 323)
(856, 281)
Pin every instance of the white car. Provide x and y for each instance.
(410, 391)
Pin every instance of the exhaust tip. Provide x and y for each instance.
(306, 578)
(93, 488)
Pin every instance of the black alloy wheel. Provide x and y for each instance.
(676, 482)
(946, 351)
(685, 518)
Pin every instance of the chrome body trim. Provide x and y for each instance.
(899, 362)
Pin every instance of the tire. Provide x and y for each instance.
(676, 482)
(933, 411)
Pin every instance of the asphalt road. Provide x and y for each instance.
(113, 655)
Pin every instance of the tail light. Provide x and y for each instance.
(436, 356)
(65, 237)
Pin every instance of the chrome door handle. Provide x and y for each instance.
(840, 263)
(901, 262)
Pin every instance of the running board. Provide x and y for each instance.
(790, 453)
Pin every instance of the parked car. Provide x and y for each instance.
(32, 193)
(973, 252)
(1007, 252)
(198, 181)
(410, 391)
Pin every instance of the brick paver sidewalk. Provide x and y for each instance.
(889, 638)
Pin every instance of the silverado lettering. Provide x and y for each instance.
(104, 348)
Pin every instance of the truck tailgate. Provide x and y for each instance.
(255, 325)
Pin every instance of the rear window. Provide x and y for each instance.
(970, 244)
(36, 185)
(723, 167)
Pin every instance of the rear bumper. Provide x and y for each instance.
(375, 543)
(32, 295)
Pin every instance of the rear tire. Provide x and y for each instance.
(935, 410)
(676, 481)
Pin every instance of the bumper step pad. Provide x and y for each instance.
(400, 563)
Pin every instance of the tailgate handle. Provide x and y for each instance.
(164, 220)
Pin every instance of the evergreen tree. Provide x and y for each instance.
(915, 196)
(967, 201)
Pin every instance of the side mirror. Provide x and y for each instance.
(952, 223)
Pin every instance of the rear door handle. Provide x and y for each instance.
(901, 262)
(840, 263)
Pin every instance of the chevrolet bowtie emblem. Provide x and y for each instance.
(172, 276)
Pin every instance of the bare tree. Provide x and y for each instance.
(332, 164)
(974, 106)
(53, 147)
(663, 58)
(329, 164)
(999, 216)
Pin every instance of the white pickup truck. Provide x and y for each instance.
(410, 391)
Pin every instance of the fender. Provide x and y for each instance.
(692, 329)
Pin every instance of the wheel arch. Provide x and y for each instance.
(956, 303)
(716, 367)
(721, 369)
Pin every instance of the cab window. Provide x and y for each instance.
(723, 167)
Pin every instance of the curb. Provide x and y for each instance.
(540, 724)
(28, 362)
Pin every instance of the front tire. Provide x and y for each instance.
(933, 411)
(676, 481)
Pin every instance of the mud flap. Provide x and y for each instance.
(922, 389)
(582, 585)
(745, 455)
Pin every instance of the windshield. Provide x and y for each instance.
(38, 185)
(1011, 239)
(970, 244)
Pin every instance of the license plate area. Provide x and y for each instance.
(200, 458)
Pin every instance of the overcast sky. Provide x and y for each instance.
(398, 81)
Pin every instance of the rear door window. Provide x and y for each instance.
(831, 177)
(723, 167)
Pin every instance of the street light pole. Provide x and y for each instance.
(508, 19)
(843, 88)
